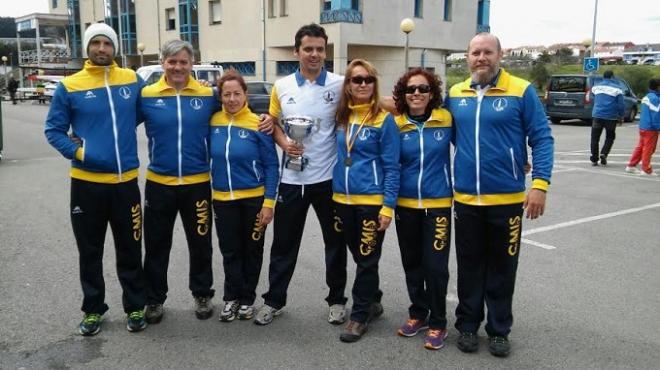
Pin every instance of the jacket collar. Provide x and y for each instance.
(300, 79)
(94, 69)
(192, 85)
(245, 111)
(499, 82)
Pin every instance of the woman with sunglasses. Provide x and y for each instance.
(365, 184)
(245, 174)
(423, 213)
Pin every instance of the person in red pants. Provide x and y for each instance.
(649, 126)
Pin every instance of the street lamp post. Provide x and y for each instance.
(4, 63)
(141, 47)
(407, 25)
(593, 34)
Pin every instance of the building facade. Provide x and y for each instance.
(257, 36)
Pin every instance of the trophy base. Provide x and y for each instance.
(296, 164)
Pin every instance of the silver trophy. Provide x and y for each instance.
(298, 128)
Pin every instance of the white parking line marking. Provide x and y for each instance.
(565, 170)
(537, 244)
(624, 174)
(589, 219)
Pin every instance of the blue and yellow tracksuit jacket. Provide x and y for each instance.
(177, 125)
(425, 161)
(99, 104)
(649, 116)
(373, 176)
(608, 100)
(244, 161)
(493, 126)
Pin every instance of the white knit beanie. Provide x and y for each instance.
(99, 29)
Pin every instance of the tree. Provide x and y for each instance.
(7, 27)
(539, 75)
(544, 57)
(564, 56)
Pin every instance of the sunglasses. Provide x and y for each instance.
(423, 89)
(358, 80)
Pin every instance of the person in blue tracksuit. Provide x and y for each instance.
(608, 110)
(649, 127)
(496, 116)
(99, 105)
(176, 112)
(365, 184)
(245, 176)
(423, 212)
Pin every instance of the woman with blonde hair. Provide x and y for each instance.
(365, 185)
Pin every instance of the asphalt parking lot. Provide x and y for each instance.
(586, 295)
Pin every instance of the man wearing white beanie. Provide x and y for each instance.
(99, 105)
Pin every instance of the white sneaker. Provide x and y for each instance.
(245, 312)
(337, 314)
(632, 169)
(266, 314)
(229, 311)
(652, 173)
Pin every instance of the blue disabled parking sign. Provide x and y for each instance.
(590, 65)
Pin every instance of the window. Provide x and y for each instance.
(418, 8)
(355, 4)
(286, 67)
(54, 4)
(215, 12)
(271, 8)
(170, 19)
(448, 11)
(244, 68)
(327, 5)
(283, 8)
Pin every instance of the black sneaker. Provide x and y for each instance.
(375, 311)
(90, 324)
(499, 346)
(353, 332)
(135, 321)
(603, 160)
(468, 342)
(594, 163)
(203, 307)
(153, 313)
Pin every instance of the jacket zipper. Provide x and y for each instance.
(421, 166)
(180, 133)
(231, 190)
(480, 97)
(115, 132)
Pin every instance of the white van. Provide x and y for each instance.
(208, 72)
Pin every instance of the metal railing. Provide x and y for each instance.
(30, 57)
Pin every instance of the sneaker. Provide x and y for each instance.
(412, 327)
(337, 314)
(631, 169)
(603, 160)
(594, 163)
(652, 173)
(375, 311)
(229, 311)
(245, 312)
(203, 307)
(435, 338)
(153, 313)
(266, 315)
(135, 321)
(90, 324)
(353, 332)
(468, 342)
(499, 346)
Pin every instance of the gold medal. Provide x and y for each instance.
(348, 161)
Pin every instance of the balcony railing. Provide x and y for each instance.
(341, 15)
(53, 56)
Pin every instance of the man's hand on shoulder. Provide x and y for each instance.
(266, 123)
(534, 203)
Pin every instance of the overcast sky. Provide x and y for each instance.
(523, 22)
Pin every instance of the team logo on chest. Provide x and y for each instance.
(89, 95)
(499, 104)
(243, 134)
(438, 135)
(364, 134)
(160, 103)
(328, 96)
(462, 103)
(125, 92)
(406, 136)
(196, 103)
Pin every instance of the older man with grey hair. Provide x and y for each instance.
(176, 111)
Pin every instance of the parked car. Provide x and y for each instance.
(208, 72)
(259, 96)
(569, 97)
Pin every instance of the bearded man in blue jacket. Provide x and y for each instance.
(496, 115)
(99, 105)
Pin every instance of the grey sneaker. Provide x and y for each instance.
(153, 313)
(266, 314)
(337, 314)
(229, 311)
(203, 307)
(245, 312)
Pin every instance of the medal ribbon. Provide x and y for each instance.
(350, 139)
